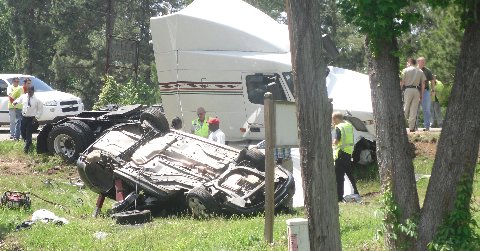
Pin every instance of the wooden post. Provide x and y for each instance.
(269, 112)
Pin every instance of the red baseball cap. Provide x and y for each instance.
(214, 121)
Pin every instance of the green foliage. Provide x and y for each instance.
(458, 230)
(127, 94)
(392, 228)
(437, 38)
(6, 47)
(380, 20)
(273, 8)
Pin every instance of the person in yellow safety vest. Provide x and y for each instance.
(343, 143)
(200, 125)
(15, 111)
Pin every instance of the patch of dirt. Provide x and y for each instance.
(425, 149)
(14, 167)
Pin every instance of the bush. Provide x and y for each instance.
(127, 94)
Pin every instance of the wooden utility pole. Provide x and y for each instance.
(109, 32)
(314, 112)
(269, 166)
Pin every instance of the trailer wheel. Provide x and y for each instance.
(133, 217)
(156, 118)
(89, 136)
(67, 140)
(201, 203)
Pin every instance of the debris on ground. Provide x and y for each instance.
(14, 199)
(100, 235)
(42, 215)
(133, 217)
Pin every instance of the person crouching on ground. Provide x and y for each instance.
(32, 110)
(343, 142)
(216, 134)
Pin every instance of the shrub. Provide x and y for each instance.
(127, 94)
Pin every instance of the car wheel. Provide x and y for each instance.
(256, 158)
(132, 217)
(67, 140)
(95, 177)
(156, 118)
(201, 202)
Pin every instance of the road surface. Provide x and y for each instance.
(5, 133)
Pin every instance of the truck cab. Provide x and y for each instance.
(224, 56)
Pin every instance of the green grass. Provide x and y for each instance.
(358, 221)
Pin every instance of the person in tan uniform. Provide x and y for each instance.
(411, 78)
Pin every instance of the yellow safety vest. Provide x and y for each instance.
(346, 139)
(16, 93)
(200, 129)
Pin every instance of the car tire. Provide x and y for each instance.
(67, 140)
(132, 217)
(156, 118)
(256, 158)
(95, 177)
(201, 203)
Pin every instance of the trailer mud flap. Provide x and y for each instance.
(42, 138)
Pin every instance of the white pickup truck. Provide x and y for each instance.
(56, 104)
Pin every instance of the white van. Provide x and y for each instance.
(56, 104)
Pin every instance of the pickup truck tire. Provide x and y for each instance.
(132, 217)
(201, 203)
(256, 158)
(68, 140)
(156, 118)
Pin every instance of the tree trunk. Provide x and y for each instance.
(393, 151)
(314, 112)
(457, 149)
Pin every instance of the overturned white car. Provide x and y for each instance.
(164, 165)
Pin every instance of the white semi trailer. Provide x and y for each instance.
(223, 54)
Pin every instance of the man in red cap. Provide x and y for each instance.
(216, 134)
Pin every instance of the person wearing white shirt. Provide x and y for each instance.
(216, 134)
(32, 110)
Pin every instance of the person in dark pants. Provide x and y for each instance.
(343, 142)
(32, 109)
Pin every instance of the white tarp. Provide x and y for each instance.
(298, 198)
(219, 25)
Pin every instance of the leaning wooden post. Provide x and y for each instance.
(269, 112)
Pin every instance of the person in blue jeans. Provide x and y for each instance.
(14, 111)
(426, 99)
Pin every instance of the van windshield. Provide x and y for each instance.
(289, 79)
(38, 84)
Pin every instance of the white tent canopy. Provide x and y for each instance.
(219, 25)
